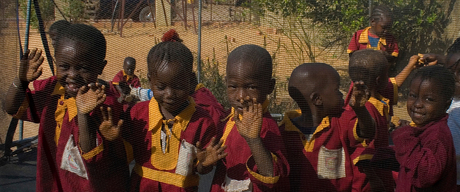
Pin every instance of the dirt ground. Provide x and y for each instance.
(139, 38)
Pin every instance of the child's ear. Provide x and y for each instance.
(148, 77)
(316, 99)
(101, 68)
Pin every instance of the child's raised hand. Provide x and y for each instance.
(211, 154)
(109, 130)
(360, 95)
(251, 123)
(29, 68)
(89, 97)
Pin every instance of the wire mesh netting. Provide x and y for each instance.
(293, 32)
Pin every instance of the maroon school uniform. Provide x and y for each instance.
(380, 108)
(426, 156)
(360, 40)
(121, 76)
(206, 100)
(169, 167)
(238, 171)
(61, 165)
(321, 161)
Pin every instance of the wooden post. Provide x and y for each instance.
(153, 15)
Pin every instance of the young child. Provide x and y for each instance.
(164, 130)
(255, 149)
(55, 29)
(425, 148)
(71, 152)
(377, 35)
(125, 79)
(371, 67)
(318, 138)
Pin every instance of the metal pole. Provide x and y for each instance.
(113, 15)
(200, 6)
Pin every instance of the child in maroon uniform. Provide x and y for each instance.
(126, 78)
(320, 136)
(163, 132)
(377, 35)
(255, 149)
(72, 155)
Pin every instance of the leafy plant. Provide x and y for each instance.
(46, 10)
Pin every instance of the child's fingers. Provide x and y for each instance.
(223, 155)
(32, 54)
(109, 114)
(83, 89)
(221, 149)
(38, 73)
(198, 145)
(37, 55)
(216, 145)
(25, 56)
(120, 123)
(104, 116)
(101, 100)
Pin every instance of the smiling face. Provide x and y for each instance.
(426, 102)
(75, 66)
(171, 87)
(247, 80)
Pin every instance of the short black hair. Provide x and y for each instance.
(90, 36)
(442, 76)
(130, 59)
(169, 52)
(454, 48)
(380, 11)
(366, 65)
(252, 54)
(59, 26)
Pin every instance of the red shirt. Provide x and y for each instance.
(320, 161)
(427, 157)
(121, 76)
(58, 121)
(380, 109)
(239, 163)
(156, 170)
(206, 100)
(360, 40)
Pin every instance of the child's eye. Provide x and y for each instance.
(252, 87)
(231, 87)
(160, 87)
(429, 99)
(64, 66)
(412, 95)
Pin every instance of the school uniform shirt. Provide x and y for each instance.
(379, 108)
(454, 125)
(360, 40)
(61, 165)
(165, 160)
(121, 76)
(320, 161)
(238, 171)
(426, 156)
(206, 100)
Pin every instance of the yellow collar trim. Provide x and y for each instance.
(384, 109)
(63, 106)
(199, 86)
(412, 124)
(364, 38)
(127, 76)
(168, 159)
(231, 122)
(308, 145)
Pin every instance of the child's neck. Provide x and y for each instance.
(171, 115)
(372, 33)
(309, 119)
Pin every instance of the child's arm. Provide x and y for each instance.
(88, 98)
(413, 64)
(249, 128)
(29, 70)
(208, 157)
(359, 97)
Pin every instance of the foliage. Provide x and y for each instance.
(341, 19)
(74, 12)
(46, 9)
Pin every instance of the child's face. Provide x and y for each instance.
(453, 66)
(76, 67)
(332, 98)
(129, 67)
(245, 80)
(171, 87)
(425, 102)
(382, 26)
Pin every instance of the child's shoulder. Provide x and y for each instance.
(45, 84)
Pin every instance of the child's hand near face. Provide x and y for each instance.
(29, 68)
(109, 130)
(251, 123)
(359, 96)
(211, 154)
(89, 97)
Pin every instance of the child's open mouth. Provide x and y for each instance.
(72, 87)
